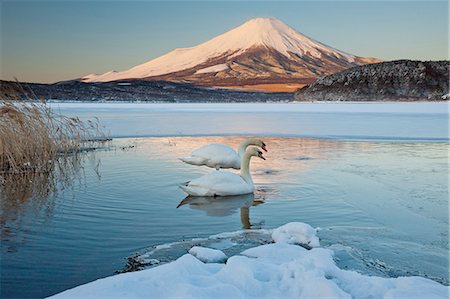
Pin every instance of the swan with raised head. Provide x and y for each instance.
(218, 156)
(224, 183)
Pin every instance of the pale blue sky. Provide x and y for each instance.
(49, 41)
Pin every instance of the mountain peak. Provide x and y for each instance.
(257, 30)
(275, 34)
(263, 22)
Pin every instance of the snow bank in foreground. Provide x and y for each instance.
(277, 270)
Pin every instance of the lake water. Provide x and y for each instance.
(374, 177)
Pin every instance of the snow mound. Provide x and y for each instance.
(213, 69)
(276, 270)
(296, 233)
(208, 255)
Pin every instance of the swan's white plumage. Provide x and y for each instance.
(216, 155)
(218, 183)
(194, 160)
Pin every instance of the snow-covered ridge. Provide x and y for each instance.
(259, 32)
(277, 270)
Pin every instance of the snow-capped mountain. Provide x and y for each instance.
(260, 51)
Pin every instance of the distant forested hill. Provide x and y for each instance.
(400, 80)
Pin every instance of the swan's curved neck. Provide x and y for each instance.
(242, 147)
(245, 168)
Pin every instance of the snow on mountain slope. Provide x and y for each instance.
(213, 69)
(275, 41)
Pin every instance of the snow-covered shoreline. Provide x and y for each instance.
(282, 269)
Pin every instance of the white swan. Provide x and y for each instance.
(224, 183)
(221, 156)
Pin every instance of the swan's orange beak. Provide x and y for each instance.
(261, 156)
(264, 147)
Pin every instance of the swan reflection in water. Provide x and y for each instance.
(225, 206)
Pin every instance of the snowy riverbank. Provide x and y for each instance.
(282, 269)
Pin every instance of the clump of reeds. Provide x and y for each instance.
(35, 141)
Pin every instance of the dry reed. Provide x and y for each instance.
(36, 143)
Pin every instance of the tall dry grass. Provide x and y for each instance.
(36, 144)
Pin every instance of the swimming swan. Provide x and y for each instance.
(220, 155)
(224, 183)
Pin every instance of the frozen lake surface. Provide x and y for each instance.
(374, 179)
(405, 121)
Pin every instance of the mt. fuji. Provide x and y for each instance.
(261, 52)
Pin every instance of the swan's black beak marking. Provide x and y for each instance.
(260, 154)
(264, 147)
